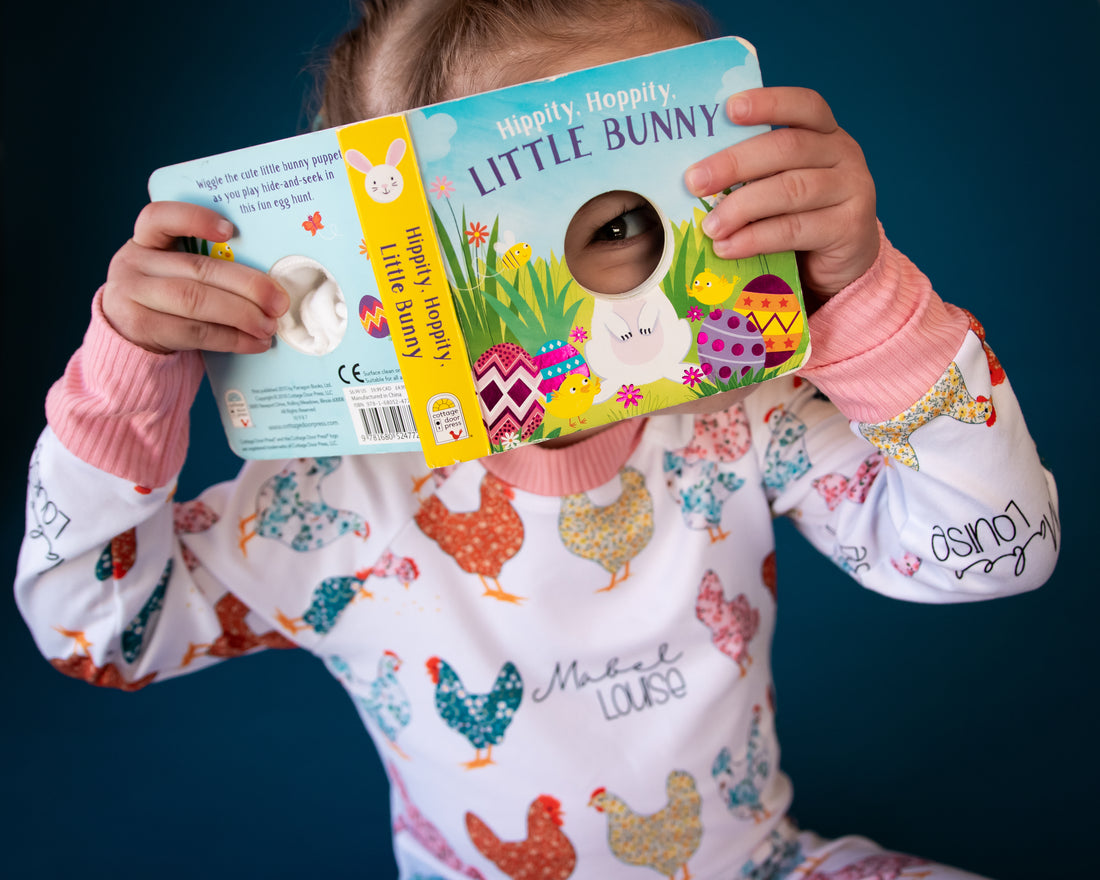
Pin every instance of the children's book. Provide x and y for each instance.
(455, 275)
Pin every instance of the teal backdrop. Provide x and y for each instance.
(962, 733)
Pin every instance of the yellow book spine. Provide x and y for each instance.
(404, 253)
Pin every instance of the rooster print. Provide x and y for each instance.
(834, 488)
(741, 781)
(191, 518)
(881, 866)
(722, 437)
(948, 397)
(545, 854)
(237, 637)
(663, 841)
(411, 821)
(482, 540)
(612, 534)
(385, 702)
(481, 718)
(700, 489)
(330, 598)
(732, 623)
(291, 509)
(777, 857)
(785, 458)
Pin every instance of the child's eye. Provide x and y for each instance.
(627, 225)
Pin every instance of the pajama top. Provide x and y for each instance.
(562, 656)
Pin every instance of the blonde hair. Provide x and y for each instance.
(409, 53)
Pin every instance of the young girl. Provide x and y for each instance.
(560, 653)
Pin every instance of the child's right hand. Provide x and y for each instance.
(166, 300)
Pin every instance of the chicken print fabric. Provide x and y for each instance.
(545, 854)
(572, 685)
(741, 781)
(291, 509)
(611, 534)
(481, 718)
(664, 840)
(732, 623)
(948, 397)
(480, 541)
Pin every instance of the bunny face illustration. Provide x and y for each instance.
(383, 182)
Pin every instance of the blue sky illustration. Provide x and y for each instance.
(453, 137)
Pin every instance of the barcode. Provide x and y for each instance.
(387, 422)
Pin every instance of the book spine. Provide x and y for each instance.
(400, 236)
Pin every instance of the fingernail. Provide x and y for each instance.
(697, 180)
(224, 230)
(712, 225)
(738, 106)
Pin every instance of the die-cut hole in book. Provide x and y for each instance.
(317, 318)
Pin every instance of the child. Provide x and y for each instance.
(564, 649)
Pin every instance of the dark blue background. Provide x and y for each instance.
(961, 733)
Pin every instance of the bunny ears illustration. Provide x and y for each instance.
(383, 182)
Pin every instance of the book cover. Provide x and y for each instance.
(448, 291)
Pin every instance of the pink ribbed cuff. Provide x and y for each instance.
(884, 340)
(123, 409)
(580, 467)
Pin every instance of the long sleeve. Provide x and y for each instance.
(102, 565)
(123, 409)
(941, 497)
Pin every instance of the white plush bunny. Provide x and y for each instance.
(384, 182)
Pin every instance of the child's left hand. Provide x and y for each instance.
(810, 191)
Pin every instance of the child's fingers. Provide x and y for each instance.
(764, 155)
(792, 192)
(160, 223)
(228, 277)
(168, 333)
(807, 231)
(782, 105)
(196, 301)
(167, 300)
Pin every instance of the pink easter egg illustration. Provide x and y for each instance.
(373, 317)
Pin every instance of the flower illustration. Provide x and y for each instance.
(442, 187)
(692, 375)
(477, 234)
(695, 313)
(579, 334)
(363, 247)
(510, 440)
(629, 395)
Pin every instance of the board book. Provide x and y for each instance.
(425, 253)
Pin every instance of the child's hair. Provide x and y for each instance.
(409, 53)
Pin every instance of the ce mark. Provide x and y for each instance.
(354, 370)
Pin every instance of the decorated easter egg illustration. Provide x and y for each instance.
(730, 345)
(556, 360)
(771, 305)
(507, 382)
(373, 317)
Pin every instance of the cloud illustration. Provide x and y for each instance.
(737, 79)
(434, 134)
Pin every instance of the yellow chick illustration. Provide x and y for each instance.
(573, 398)
(221, 250)
(712, 289)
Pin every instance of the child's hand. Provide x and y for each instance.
(166, 300)
(810, 189)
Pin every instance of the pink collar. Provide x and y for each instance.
(578, 468)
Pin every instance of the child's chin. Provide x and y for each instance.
(706, 406)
